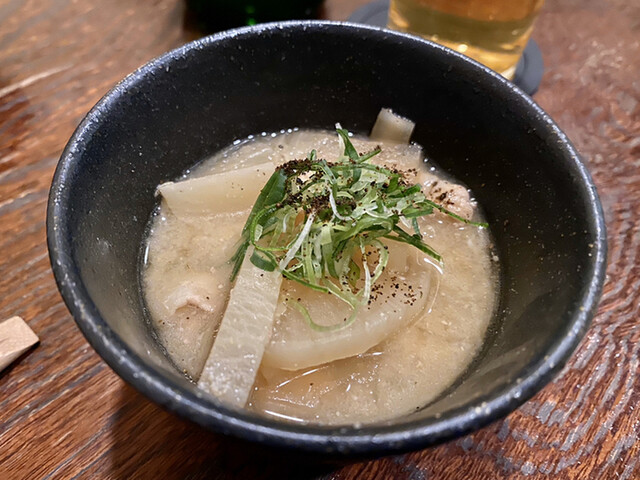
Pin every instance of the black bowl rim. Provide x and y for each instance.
(368, 440)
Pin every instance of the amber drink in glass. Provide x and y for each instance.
(493, 32)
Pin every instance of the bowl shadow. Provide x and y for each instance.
(149, 442)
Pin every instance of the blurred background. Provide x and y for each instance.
(493, 32)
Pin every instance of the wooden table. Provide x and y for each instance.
(65, 414)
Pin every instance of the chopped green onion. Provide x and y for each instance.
(313, 216)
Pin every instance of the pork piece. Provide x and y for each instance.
(450, 195)
(188, 308)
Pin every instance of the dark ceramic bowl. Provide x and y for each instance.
(184, 106)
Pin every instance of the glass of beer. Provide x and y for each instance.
(493, 32)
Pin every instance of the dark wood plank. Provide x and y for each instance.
(65, 414)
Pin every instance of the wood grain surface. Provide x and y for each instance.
(65, 414)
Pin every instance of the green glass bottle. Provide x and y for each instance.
(215, 15)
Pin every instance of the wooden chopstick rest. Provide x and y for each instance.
(15, 338)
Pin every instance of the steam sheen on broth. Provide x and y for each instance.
(418, 333)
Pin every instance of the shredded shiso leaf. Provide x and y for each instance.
(313, 219)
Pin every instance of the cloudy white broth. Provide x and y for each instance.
(265, 315)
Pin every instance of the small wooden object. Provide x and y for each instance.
(15, 338)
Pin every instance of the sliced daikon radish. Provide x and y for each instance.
(246, 327)
(401, 294)
(391, 127)
(251, 153)
(226, 192)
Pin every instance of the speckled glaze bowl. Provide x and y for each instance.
(182, 107)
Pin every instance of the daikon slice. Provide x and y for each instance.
(402, 293)
(228, 192)
(392, 127)
(232, 365)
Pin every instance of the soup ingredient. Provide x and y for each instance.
(313, 217)
(318, 223)
(451, 196)
(193, 290)
(403, 292)
(392, 127)
(233, 363)
(410, 363)
(196, 196)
